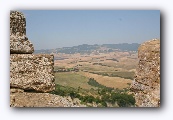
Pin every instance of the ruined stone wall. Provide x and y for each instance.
(28, 72)
(146, 84)
(31, 75)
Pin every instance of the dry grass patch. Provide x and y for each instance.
(115, 82)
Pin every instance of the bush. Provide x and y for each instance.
(123, 99)
(106, 95)
(103, 104)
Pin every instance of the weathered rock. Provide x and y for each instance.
(146, 84)
(17, 23)
(32, 72)
(19, 43)
(26, 99)
(16, 91)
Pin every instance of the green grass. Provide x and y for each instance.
(126, 75)
(72, 80)
(57, 67)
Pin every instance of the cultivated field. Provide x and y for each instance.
(72, 79)
(97, 79)
(114, 69)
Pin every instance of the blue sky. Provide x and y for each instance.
(49, 29)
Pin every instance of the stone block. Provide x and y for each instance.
(32, 72)
(19, 43)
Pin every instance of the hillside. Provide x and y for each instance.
(85, 48)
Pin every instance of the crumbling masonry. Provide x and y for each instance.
(28, 71)
(31, 75)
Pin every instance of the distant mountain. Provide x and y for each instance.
(85, 48)
(123, 46)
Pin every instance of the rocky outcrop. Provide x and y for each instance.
(146, 84)
(19, 43)
(32, 72)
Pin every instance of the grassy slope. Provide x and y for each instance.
(72, 80)
(113, 82)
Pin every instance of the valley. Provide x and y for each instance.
(112, 71)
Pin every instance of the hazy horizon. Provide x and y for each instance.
(51, 29)
(82, 44)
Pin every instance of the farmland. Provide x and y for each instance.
(94, 75)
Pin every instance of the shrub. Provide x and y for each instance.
(106, 95)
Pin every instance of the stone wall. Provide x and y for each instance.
(146, 84)
(31, 75)
(28, 72)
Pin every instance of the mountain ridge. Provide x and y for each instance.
(85, 48)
